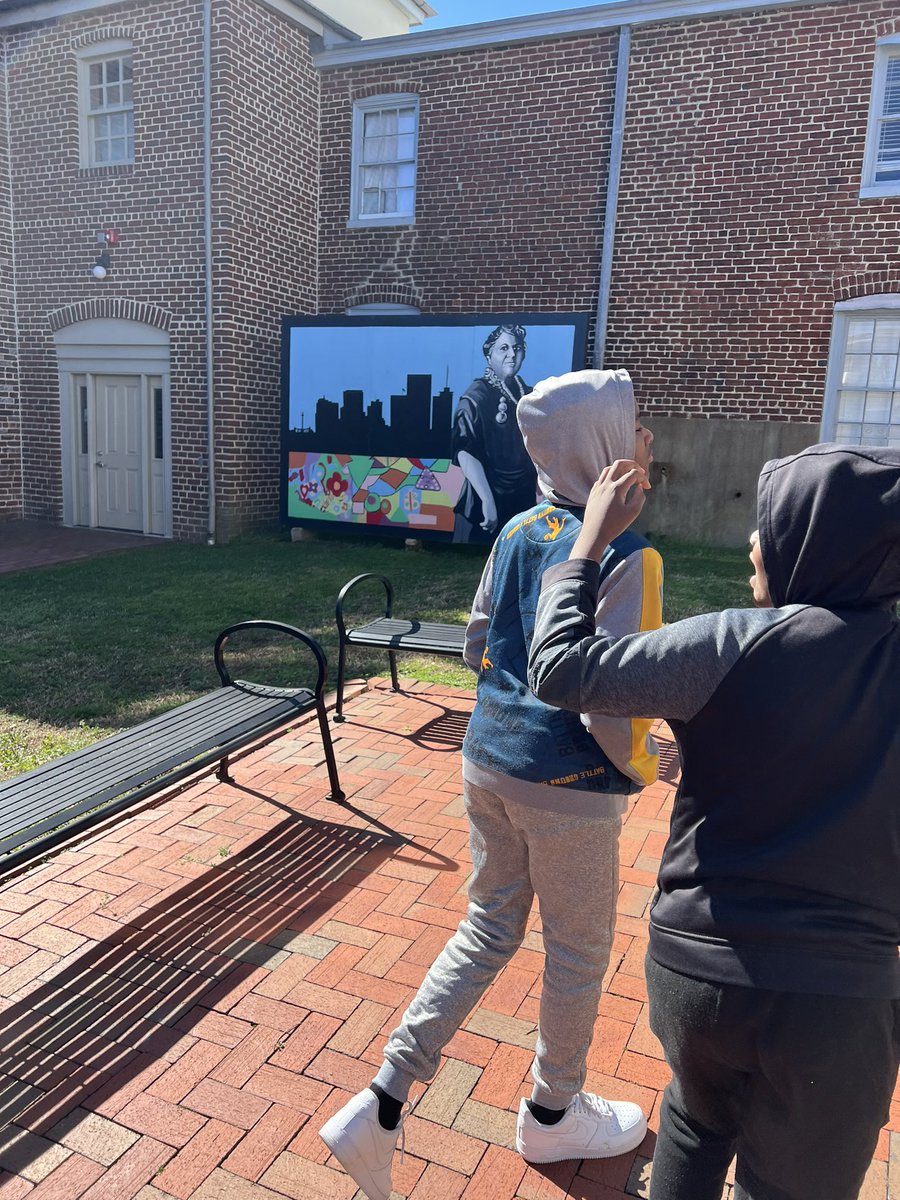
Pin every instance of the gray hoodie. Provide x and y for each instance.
(573, 425)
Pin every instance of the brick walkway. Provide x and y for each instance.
(25, 545)
(188, 995)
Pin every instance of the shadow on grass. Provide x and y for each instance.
(106, 1014)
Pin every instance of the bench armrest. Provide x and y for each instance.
(279, 627)
(342, 595)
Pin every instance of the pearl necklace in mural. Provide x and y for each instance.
(492, 377)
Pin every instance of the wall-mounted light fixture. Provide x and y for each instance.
(105, 239)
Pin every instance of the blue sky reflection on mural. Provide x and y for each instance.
(370, 409)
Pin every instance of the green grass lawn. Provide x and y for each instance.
(95, 646)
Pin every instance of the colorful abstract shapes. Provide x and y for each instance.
(401, 493)
(337, 485)
(394, 478)
(428, 482)
(409, 500)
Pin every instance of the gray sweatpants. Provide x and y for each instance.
(571, 863)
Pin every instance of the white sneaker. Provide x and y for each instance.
(592, 1128)
(360, 1144)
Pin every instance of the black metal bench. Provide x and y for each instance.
(388, 633)
(53, 802)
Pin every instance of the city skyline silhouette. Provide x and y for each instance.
(419, 422)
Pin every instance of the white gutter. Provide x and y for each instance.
(613, 176)
(14, 281)
(540, 26)
(208, 266)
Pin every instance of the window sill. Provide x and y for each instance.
(106, 169)
(379, 222)
(870, 190)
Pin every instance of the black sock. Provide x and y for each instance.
(545, 1116)
(389, 1109)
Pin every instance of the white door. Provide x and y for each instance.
(114, 398)
(118, 452)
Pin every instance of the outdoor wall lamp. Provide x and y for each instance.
(105, 239)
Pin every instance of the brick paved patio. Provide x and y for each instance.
(189, 994)
(25, 545)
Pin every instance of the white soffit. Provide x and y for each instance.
(540, 26)
(308, 16)
(415, 10)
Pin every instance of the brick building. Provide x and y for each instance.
(190, 128)
(719, 183)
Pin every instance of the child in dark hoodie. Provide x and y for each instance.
(544, 793)
(772, 967)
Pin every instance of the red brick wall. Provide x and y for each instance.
(265, 189)
(739, 218)
(265, 97)
(513, 147)
(156, 205)
(10, 475)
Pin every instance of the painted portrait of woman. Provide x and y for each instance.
(500, 479)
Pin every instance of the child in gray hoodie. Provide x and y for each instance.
(545, 791)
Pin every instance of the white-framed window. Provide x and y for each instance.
(881, 165)
(862, 392)
(383, 161)
(106, 104)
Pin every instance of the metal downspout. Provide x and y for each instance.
(612, 193)
(14, 269)
(208, 265)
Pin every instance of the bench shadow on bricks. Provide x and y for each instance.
(110, 1011)
(444, 731)
(669, 760)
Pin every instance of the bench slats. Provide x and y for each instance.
(388, 633)
(198, 725)
(78, 769)
(60, 799)
(186, 737)
(428, 637)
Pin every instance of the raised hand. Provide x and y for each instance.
(615, 500)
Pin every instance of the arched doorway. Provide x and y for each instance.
(115, 424)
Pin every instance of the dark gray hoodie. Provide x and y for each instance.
(782, 868)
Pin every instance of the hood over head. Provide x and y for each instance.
(574, 425)
(829, 527)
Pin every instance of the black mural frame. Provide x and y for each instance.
(289, 441)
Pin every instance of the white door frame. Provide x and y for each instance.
(108, 346)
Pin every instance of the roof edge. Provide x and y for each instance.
(540, 26)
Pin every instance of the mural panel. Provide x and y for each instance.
(384, 426)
